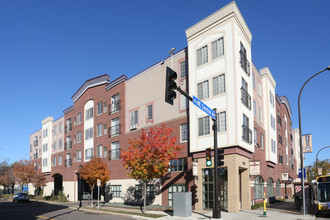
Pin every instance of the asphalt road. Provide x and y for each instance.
(39, 210)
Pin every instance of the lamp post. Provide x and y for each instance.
(300, 137)
(79, 193)
(317, 171)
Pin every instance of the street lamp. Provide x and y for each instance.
(300, 137)
(79, 193)
(317, 172)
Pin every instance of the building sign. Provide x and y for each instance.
(307, 143)
(285, 176)
(195, 173)
(255, 168)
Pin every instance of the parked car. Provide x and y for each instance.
(87, 196)
(21, 197)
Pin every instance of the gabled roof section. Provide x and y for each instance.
(286, 102)
(116, 82)
(104, 79)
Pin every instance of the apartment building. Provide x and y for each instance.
(253, 127)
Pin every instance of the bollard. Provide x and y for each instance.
(265, 204)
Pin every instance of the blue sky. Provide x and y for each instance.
(49, 48)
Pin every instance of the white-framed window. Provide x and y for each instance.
(89, 154)
(79, 118)
(89, 113)
(134, 118)
(261, 141)
(55, 129)
(221, 122)
(45, 133)
(60, 160)
(219, 85)
(60, 127)
(79, 137)
(44, 162)
(273, 145)
(116, 190)
(99, 130)
(115, 127)
(44, 147)
(54, 161)
(115, 103)
(89, 133)
(150, 112)
(254, 109)
(255, 137)
(204, 125)
(203, 90)
(79, 155)
(183, 102)
(115, 150)
(217, 48)
(55, 145)
(260, 114)
(271, 98)
(99, 108)
(183, 69)
(60, 144)
(202, 55)
(184, 132)
(100, 151)
(272, 121)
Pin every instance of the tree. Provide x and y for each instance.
(7, 177)
(23, 172)
(38, 181)
(324, 164)
(149, 156)
(94, 170)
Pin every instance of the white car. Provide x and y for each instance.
(21, 197)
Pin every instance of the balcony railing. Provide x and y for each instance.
(247, 134)
(68, 145)
(246, 98)
(35, 143)
(245, 64)
(68, 128)
(113, 107)
(68, 162)
(114, 130)
(114, 154)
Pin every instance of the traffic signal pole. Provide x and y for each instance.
(216, 207)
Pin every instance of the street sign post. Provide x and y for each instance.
(203, 107)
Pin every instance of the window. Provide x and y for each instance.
(115, 127)
(89, 154)
(291, 151)
(273, 145)
(60, 144)
(253, 80)
(79, 155)
(79, 118)
(247, 133)
(184, 132)
(217, 48)
(260, 114)
(173, 189)
(278, 187)
(60, 127)
(89, 113)
(149, 112)
(79, 137)
(246, 98)
(68, 126)
(115, 103)
(115, 150)
(105, 129)
(99, 108)
(183, 102)
(271, 98)
(68, 161)
(204, 125)
(261, 141)
(219, 84)
(54, 161)
(105, 108)
(183, 69)
(221, 121)
(89, 133)
(203, 90)
(99, 130)
(258, 188)
(116, 190)
(270, 187)
(272, 122)
(100, 151)
(134, 119)
(55, 145)
(280, 158)
(202, 56)
(45, 133)
(44, 162)
(179, 164)
(55, 130)
(243, 60)
(150, 192)
(255, 137)
(44, 147)
(68, 144)
(254, 109)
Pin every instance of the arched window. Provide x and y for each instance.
(270, 187)
(278, 187)
(258, 187)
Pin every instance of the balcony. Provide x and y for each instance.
(68, 128)
(35, 156)
(247, 134)
(245, 64)
(114, 130)
(114, 154)
(68, 163)
(114, 107)
(246, 98)
(68, 145)
(35, 143)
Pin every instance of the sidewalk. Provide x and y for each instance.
(282, 211)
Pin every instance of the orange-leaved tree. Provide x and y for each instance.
(94, 170)
(148, 157)
(38, 180)
(7, 177)
(23, 172)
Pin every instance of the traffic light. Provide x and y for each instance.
(208, 157)
(220, 157)
(170, 86)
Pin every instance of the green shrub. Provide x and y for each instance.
(259, 205)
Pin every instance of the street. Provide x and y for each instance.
(40, 210)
